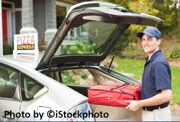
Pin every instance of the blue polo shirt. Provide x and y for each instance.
(156, 76)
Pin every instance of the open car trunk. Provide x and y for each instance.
(94, 76)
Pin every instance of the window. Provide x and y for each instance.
(85, 77)
(90, 38)
(8, 81)
(77, 77)
(30, 88)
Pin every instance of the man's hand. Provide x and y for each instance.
(133, 105)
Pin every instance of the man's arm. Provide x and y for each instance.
(162, 97)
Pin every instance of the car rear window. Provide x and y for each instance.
(91, 38)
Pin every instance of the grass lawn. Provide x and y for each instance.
(135, 67)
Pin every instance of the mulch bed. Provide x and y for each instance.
(175, 107)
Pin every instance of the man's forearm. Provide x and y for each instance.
(162, 97)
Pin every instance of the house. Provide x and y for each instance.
(32, 16)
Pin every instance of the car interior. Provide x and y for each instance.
(7, 87)
(30, 88)
(81, 79)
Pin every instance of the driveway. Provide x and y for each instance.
(176, 115)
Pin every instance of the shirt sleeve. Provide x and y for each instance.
(162, 76)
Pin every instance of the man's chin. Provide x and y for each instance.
(147, 51)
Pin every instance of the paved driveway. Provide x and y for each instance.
(176, 115)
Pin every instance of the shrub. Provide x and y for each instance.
(83, 75)
(68, 78)
(173, 52)
(79, 48)
(7, 49)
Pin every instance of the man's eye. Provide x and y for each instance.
(142, 39)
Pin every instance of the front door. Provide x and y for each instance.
(4, 24)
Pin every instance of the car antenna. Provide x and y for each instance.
(111, 63)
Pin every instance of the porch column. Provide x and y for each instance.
(27, 17)
(51, 29)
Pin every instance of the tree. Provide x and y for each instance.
(164, 9)
(169, 13)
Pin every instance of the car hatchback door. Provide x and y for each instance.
(93, 28)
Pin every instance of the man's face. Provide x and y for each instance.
(150, 44)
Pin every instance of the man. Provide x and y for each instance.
(156, 80)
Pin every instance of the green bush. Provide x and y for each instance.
(7, 49)
(78, 48)
(83, 74)
(173, 52)
(68, 78)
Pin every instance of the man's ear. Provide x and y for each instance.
(159, 41)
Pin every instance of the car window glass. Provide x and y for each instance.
(8, 81)
(30, 88)
(91, 38)
(85, 77)
(77, 77)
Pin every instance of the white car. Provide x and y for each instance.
(55, 88)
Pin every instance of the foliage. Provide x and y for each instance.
(79, 48)
(68, 78)
(42, 43)
(84, 74)
(74, 76)
(7, 49)
(123, 42)
(169, 14)
(137, 53)
(173, 52)
(42, 40)
(143, 6)
(164, 9)
(123, 3)
(176, 54)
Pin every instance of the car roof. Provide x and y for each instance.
(19, 61)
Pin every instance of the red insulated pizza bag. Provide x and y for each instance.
(114, 94)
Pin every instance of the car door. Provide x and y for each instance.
(9, 94)
(31, 105)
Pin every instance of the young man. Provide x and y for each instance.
(156, 80)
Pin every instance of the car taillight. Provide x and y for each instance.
(81, 112)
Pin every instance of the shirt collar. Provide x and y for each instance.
(153, 56)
